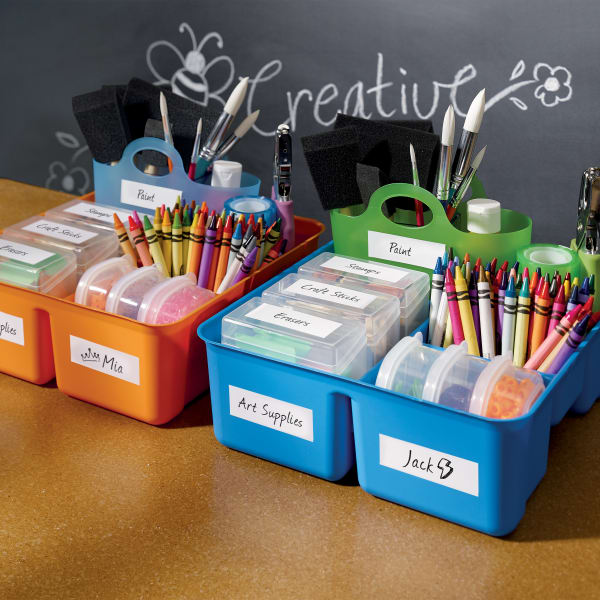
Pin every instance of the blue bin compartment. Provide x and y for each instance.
(587, 360)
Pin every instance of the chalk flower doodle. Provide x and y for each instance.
(191, 79)
(68, 177)
(555, 84)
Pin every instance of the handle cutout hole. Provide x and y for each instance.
(401, 210)
(151, 162)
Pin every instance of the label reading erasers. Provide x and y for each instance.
(418, 253)
(294, 319)
(11, 329)
(60, 231)
(272, 413)
(23, 253)
(147, 196)
(438, 467)
(89, 209)
(105, 360)
(333, 293)
(349, 265)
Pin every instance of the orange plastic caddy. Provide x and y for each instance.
(148, 372)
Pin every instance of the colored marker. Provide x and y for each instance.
(453, 309)
(575, 338)
(485, 316)
(166, 240)
(522, 325)
(437, 287)
(466, 316)
(177, 246)
(207, 252)
(140, 243)
(246, 266)
(541, 314)
(508, 320)
(124, 239)
(224, 252)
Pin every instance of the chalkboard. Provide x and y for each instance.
(309, 59)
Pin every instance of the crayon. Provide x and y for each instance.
(137, 220)
(522, 325)
(193, 207)
(240, 257)
(559, 307)
(177, 246)
(246, 266)
(124, 239)
(508, 320)
(274, 233)
(501, 283)
(453, 309)
(584, 291)
(251, 221)
(140, 243)
(207, 252)
(274, 251)
(594, 320)
(154, 246)
(541, 314)
(162, 212)
(466, 315)
(475, 305)
(437, 287)
(195, 249)
(575, 282)
(215, 257)
(236, 244)
(494, 303)
(204, 208)
(467, 266)
(533, 282)
(575, 338)
(187, 227)
(514, 272)
(553, 289)
(166, 239)
(492, 268)
(158, 224)
(485, 316)
(259, 243)
(477, 265)
(448, 338)
(573, 302)
(224, 253)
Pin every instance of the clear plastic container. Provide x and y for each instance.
(304, 337)
(406, 366)
(172, 300)
(379, 312)
(89, 245)
(95, 284)
(99, 216)
(127, 293)
(410, 287)
(37, 268)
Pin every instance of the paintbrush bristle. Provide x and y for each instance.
(475, 114)
(237, 97)
(243, 128)
(448, 127)
(477, 160)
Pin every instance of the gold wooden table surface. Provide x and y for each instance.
(96, 505)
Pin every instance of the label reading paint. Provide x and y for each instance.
(11, 329)
(294, 319)
(438, 467)
(373, 271)
(23, 253)
(147, 196)
(60, 231)
(272, 413)
(418, 253)
(333, 293)
(93, 211)
(105, 360)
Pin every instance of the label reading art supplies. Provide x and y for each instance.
(60, 231)
(23, 253)
(93, 211)
(349, 265)
(294, 319)
(270, 412)
(438, 467)
(105, 360)
(11, 329)
(333, 293)
(147, 196)
(418, 253)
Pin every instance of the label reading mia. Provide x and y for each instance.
(418, 253)
(147, 196)
(105, 360)
(333, 293)
(366, 269)
(11, 329)
(294, 319)
(93, 211)
(23, 253)
(60, 231)
(272, 413)
(438, 467)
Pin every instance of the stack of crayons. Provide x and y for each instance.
(539, 319)
(219, 250)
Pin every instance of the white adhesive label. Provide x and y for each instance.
(272, 413)
(438, 467)
(23, 252)
(105, 360)
(333, 293)
(418, 253)
(294, 319)
(60, 231)
(358, 267)
(93, 211)
(11, 329)
(147, 196)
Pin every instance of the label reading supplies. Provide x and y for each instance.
(60, 231)
(147, 196)
(11, 329)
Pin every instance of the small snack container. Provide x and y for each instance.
(127, 293)
(98, 216)
(410, 287)
(95, 284)
(281, 330)
(89, 245)
(379, 312)
(172, 300)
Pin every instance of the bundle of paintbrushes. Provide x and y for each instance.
(219, 250)
(539, 319)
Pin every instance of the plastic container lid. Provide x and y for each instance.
(89, 245)
(305, 337)
(483, 215)
(97, 281)
(172, 300)
(127, 293)
(226, 173)
(95, 215)
(37, 267)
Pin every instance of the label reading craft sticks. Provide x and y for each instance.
(294, 319)
(11, 329)
(91, 210)
(105, 360)
(23, 253)
(438, 467)
(147, 196)
(333, 293)
(358, 267)
(60, 231)
(410, 251)
(272, 413)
